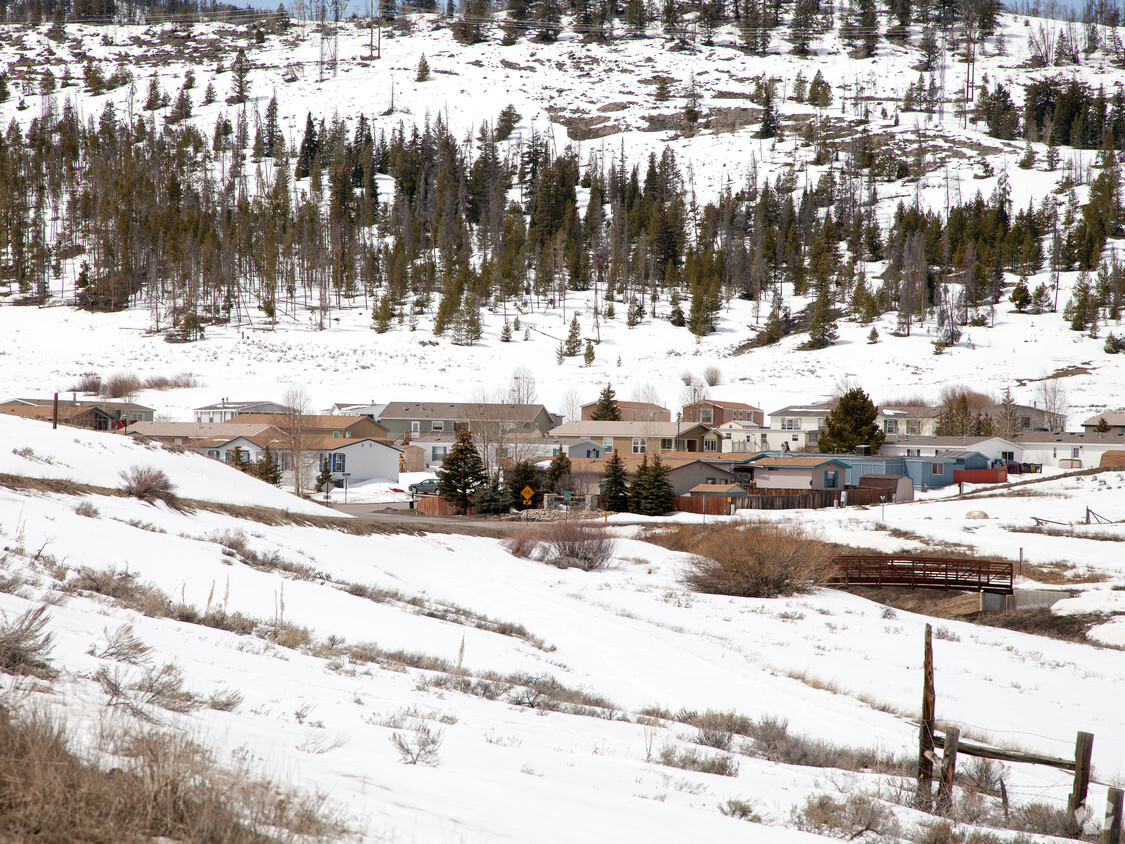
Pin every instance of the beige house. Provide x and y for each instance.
(712, 412)
(641, 438)
(898, 421)
(1114, 420)
(796, 427)
(795, 472)
(632, 411)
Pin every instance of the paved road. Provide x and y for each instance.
(401, 515)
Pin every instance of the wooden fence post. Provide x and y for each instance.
(923, 796)
(948, 769)
(1111, 829)
(1083, 750)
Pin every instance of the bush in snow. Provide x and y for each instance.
(149, 484)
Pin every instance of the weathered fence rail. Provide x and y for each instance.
(923, 573)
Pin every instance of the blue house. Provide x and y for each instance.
(924, 472)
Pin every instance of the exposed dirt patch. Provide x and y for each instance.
(612, 107)
(1041, 622)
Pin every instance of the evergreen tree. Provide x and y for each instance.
(822, 328)
(651, 493)
(1008, 419)
(462, 472)
(323, 481)
(557, 479)
(573, 345)
(1020, 297)
(522, 476)
(269, 470)
(506, 332)
(851, 423)
(588, 357)
(310, 145)
(209, 94)
(1102, 427)
(615, 485)
(771, 123)
(240, 84)
(636, 313)
(606, 410)
(423, 70)
(490, 498)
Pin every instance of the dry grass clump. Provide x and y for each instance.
(180, 381)
(419, 747)
(88, 382)
(87, 509)
(757, 560)
(122, 645)
(770, 739)
(853, 818)
(25, 645)
(149, 484)
(568, 544)
(120, 385)
(161, 687)
(163, 787)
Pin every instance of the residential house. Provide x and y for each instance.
(932, 470)
(1068, 450)
(325, 424)
(401, 418)
(994, 448)
(369, 409)
(186, 433)
(583, 448)
(1028, 418)
(1114, 420)
(226, 410)
(739, 437)
(434, 445)
(796, 427)
(897, 421)
(793, 472)
(632, 411)
(96, 415)
(684, 472)
(641, 437)
(717, 413)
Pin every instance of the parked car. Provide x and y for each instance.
(426, 487)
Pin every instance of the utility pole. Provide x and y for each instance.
(371, 32)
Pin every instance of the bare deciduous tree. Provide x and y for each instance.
(1050, 395)
(502, 422)
(572, 405)
(694, 391)
(713, 376)
(293, 425)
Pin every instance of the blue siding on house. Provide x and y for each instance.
(918, 469)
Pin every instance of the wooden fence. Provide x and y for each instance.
(779, 499)
(435, 505)
(923, 573)
(980, 476)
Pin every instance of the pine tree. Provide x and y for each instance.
(606, 410)
(323, 481)
(523, 476)
(152, 100)
(490, 498)
(1008, 419)
(423, 69)
(557, 479)
(506, 332)
(240, 85)
(638, 488)
(873, 337)
(1020, 296)
(462, 472)
(1102, 427)
(383, 313)
(677, 316)
(310, 145)
(822, 328)
(771, 123)
(269, 470)
(651, 493)
(636, 313)
(573, 346)
(851, 423)
(588, 356)
(615, 485)
(209, 94)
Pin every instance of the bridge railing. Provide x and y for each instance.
(923, 573)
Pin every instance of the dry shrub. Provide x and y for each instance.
(717, 729)
(165, 788)
(691, 759)
(87, 509)
(757, 560)
(225, 700)
(120, 385)
(523, 543)
(25, 645)
(421, 748)
(181, 381)
(88, 382)
(713, 376)
(857, 816)
(149, 484)
(770, 739)
(122, 645)
(570, 544)
(1043, 819)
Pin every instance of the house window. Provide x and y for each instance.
(790, 424)
(811, 437)
(415, 427)
(607, 444)
(1074, 452)
(213, 453)
(592, 452)
(937, 468)
(830, 479)
(638, 445)
(666, 444)
(335, 435)
(710, 480)
(913, 427)
(710, 445)
(795, 438)
(338, 462)
(437, 426)
(707, 415)
(890, 426)
(1025, 421)
(1007, 456)
(440, 451)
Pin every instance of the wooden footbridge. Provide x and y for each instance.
(964, 575)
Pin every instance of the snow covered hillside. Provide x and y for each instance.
(556, 693)
(602, 100)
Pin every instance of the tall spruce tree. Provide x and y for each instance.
(851, 423)
(606, 410)
(462, 471)
(520, 477)
(558, 480)
(615, 485)
(651, 493)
